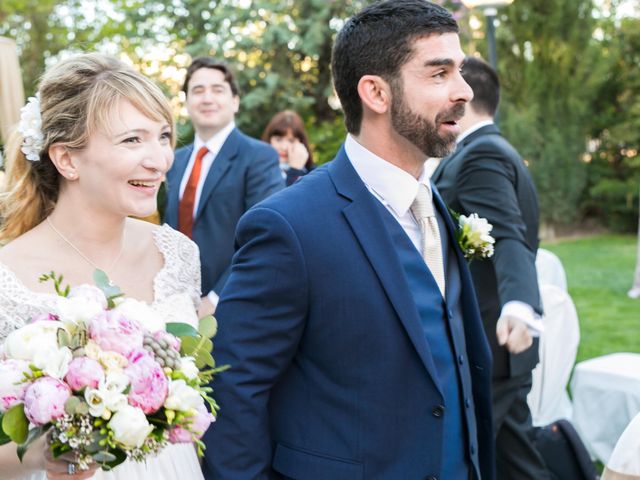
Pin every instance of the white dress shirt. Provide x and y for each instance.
(393, 187)
(214, 144)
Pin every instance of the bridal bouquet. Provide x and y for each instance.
(105, 378)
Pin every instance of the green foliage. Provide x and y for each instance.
(57, 282)
(550, 69)
(15, 424)
(615, 162)
(111, 291)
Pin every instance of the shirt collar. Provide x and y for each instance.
(390, 183)
(473, 128)
(214, 144)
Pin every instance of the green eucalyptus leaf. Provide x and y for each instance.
(33, 435)
(4, 438)
(208, 326)
(103, 456)
(15, 423)
(188, 346)
(110, 290)
(117, 455)
(180, 329)
(204, 359)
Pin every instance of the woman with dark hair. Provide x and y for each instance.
(285, 132)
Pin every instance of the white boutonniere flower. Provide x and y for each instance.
(474, 236)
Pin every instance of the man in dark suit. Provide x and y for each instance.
(349, 318)
(218, 177)
(486, 176)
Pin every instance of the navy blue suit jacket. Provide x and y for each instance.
(244, 172)
(331, 375)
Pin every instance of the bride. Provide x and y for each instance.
(93, 150)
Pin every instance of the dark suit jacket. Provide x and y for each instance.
(244, 172)
(487, 176)
(331, 375)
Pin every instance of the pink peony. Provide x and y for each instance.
(84, 372)
(44, 400)
(199, 423)
(111, 331)
(149, 384)
(172, 340)
(180, 435)
(12, 387)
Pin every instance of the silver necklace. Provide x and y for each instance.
(79, 252)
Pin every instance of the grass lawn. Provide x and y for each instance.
(599, 273)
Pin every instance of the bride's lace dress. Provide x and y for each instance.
(176, 293)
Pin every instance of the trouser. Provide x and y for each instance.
(516, 455)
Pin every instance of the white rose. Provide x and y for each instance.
(112, 361)
(78, 310)
(54, 361)
(130, 427)
(182, 397)
(188, 368)
(25, 342)
(142, 313)
(114, 383)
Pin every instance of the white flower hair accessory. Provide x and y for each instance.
(30, 127)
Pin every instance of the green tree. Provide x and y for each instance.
(551, 68)
(614, 176)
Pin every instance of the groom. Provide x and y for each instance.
(349, 318)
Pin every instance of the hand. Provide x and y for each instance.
(513, 333)
(297, 155)
(206, 307)
(58, 468)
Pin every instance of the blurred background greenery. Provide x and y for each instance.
(570, 73)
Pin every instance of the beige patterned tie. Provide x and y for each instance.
(422, 209)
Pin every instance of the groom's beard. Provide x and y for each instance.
(420, 131)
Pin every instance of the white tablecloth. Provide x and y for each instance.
(606, 396)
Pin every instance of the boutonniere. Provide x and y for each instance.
(474, 236)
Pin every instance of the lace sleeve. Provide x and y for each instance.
(18, 304)
(181, 272)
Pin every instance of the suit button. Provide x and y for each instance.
(449, 313)
(467, 403)
(472, 450)
(438, 411)
(461, 359)
(431, 477)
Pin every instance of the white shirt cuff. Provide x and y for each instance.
(525, 313)
(213, 298)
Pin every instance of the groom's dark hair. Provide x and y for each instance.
(378, 40)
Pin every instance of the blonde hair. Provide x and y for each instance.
(77, 97)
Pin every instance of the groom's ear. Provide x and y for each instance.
(63, 161)
(375, 93)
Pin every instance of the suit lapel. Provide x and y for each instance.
(368, 227)
(175, 179)
(219, 167)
